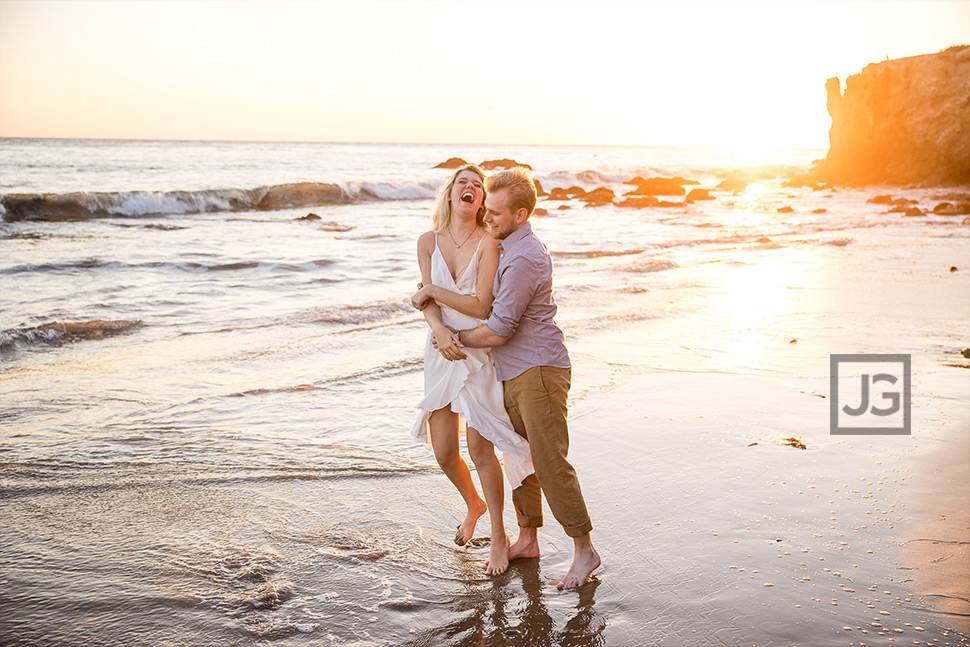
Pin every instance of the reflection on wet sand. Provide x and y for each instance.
(496, 613)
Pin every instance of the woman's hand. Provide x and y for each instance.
(447, 344)
(421, 298)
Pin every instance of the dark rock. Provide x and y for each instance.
(310, 216)
(903, 202)
(784, 210)
(505, 163)
(966, 221)
(598, 196)
(564, 206)
(819, 210)
(575, 191)
(902, 121)
(539, 191)
(966, 352)
(953, 268)
(668, 205)
(539, 211)
(452, 163)
(301, 194)
(558, 193)
(792, 341)
(950, 209)
(880, 199)
(698, 194)
(639, 202)
(913, 212)
(657, 186)
(733, 184)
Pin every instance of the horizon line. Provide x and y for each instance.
(382, 143)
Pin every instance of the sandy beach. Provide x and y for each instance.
(230, 464)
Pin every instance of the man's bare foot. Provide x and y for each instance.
(466, 530)
(585, 561)
(498, 556)
(526, 544)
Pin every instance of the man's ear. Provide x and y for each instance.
(521, 215)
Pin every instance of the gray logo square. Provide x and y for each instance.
(854, 405)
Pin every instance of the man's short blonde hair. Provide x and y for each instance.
(521, 188)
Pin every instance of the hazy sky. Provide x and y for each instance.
(734, 74)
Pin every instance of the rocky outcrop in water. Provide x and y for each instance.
(451, 163)
(903, 121)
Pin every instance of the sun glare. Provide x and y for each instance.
(754, 300)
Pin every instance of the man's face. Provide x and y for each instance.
(500, 220)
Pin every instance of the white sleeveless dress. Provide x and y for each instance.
(469, 385)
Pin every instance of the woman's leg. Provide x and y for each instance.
(490, 474)
(443, 425)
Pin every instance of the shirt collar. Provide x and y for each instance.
(524, 230)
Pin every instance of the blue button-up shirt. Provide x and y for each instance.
(523, 310)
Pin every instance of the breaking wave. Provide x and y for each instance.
(181, 266)
(61, 332)
(133, 204)
(597, 253)
(363, 313)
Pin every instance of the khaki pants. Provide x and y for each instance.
(536, 402)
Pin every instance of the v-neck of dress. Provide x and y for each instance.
(461, 274)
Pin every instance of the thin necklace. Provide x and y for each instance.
(457, 244)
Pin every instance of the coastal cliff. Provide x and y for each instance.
(903, 121)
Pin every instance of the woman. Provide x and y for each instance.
(458, 261)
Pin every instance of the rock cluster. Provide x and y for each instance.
(487, 165)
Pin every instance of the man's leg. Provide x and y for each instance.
(527, 498)
(539, 397)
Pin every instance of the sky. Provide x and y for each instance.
(735, 75)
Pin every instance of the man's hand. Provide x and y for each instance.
(447, 344)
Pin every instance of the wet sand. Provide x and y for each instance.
(288, 508)
(718, 527)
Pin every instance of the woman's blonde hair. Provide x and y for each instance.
(441, 213)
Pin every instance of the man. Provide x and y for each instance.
(533, 365)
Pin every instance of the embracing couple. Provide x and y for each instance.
(496, 357)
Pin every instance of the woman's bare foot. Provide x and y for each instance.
(585, 561)
(498, 556)
(466, 530)
(526, 544)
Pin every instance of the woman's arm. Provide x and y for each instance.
(443, 337)
(477, 306)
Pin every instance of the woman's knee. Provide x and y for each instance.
(446, 458)
(481, 451)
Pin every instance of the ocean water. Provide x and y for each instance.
(205, 400)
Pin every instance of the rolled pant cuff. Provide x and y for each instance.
(528, 522)
(578, 531)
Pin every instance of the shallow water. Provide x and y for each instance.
(205, 415)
